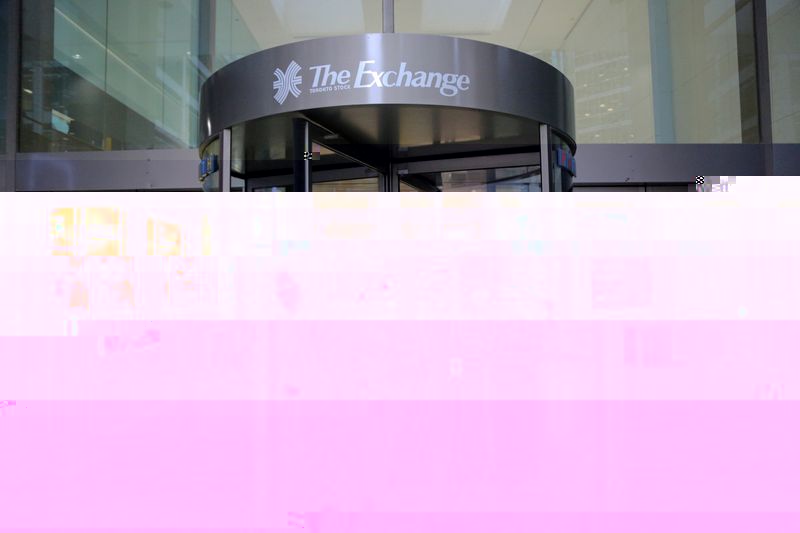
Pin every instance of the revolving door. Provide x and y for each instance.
(375, 136)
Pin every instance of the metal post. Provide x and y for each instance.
(385, 180)
(388, 16)
(225, 161)
(544, 158)
(491, 177)
(301, 150)
(761, 30)
(394, 179)
(206, 36)
(390, 181)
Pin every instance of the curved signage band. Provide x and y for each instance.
(387, 69)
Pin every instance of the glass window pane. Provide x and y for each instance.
(784, 62)
(247, 26)
(705, 71)
(354, 185)
(516, 179)
(644, 71)
(110, 74)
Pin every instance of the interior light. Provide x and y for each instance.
(76, 56)
(611, 109)
(603, 105)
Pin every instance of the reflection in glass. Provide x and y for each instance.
(784, 61)
(110, 74)
(354, 185)
(562, 177)
(209, 175)
(643, 71)
(516, 179)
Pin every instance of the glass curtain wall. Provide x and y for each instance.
(110, 74)
(644, 71)
(125, 75)
(784, 61)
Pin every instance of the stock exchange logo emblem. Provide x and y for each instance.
(287, 82)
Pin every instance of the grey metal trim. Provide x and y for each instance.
(108, 171)
(225, 160)
(394, 179)
(388, 16)
(668, 162)
(621, 182)
(321, 176)
(301, 148)
(308, 159)
(502, 80)
(544, 157)
(13, 36)
(617, 187)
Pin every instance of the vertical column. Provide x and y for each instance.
(13, 64)
(386, 180)
(546, 163)
(390, 179)
(225, 160)
(748, 85)
(661, 67)
(761, 29)
(206, 37)
(388, 16)
(301, 150)
(39, 20)
(491, 183)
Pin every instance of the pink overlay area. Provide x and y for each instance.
(247, 464)
(406, 360)
(381, 364)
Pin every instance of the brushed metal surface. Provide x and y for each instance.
(506, 90)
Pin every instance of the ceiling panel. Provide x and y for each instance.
(274, 22)
(473, 17)
(553, 23)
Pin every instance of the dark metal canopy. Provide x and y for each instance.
(408, 91)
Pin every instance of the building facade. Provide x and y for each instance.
(105, 94)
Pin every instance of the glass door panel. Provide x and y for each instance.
(510, 179)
